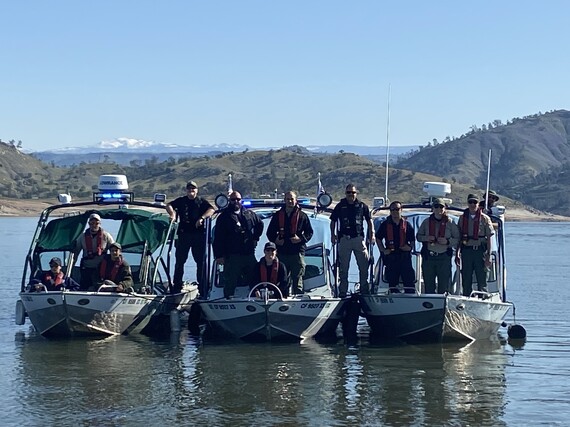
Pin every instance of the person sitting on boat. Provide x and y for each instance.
(54, 279)
(271, 269)
(351, 214)
(492, 200)
(236, 235)
(115, 272)
(474, 249)
(290, 229)
(396, 238)
(94, 244)
(439, 235)
(192, 212)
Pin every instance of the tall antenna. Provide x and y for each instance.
(488, 181)
(387, 144)
(230, 184)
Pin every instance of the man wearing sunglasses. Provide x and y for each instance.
(347, 229)
(474, 249)
(439, 235)
(236, 235)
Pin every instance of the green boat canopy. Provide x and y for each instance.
(138, 227)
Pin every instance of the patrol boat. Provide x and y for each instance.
(261, 313)
(146, 234)
(417, 316)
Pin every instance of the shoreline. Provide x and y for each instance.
(32, 208)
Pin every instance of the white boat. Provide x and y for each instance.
(419, 316)
(269, 317)
(146, 235)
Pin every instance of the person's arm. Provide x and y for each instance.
(126, 279)
(171, 212)
(370, 232)
(307, 232)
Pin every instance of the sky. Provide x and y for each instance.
(269, 73)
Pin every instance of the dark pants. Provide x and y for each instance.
(399, 264)
(89, 279)
(472, 260)
(295, 264)
(185, 242)
(436, 267)
(238, 270)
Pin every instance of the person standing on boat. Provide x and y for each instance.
(351, 214)
(439, 235)
(492, 199)
(290, 229)
(474, 250)
(271, 269)
(115, 272)
(396, 238)
(54, 279)
(192, 212)
(236, 235)
(94, 244)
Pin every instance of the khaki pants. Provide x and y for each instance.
(346, 247)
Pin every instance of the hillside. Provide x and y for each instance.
(530, 158)
(530, 167)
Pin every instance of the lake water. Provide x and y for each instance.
(133, 380)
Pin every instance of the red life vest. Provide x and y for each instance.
(442, 224)
(390, 242)
(465, 235)
(274, 271)
(292, 225)
(114, 269)
(54, 281)
(89, 243)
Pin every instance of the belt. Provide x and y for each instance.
(432, 253)
(348, 237)
(474, 248)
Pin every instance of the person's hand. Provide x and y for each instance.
(333, 238)
(406, 248)
(295, 239)
(457, 260)
(120, 288)
(279, 241)
(386, 251)
(442, 240)
(220, 261)
(372, 240)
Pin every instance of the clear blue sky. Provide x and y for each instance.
(269, 73)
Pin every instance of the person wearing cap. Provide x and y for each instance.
(475, 246)
(236, 235)
(115, 272)
(271, 269)
(347, 222)
(94, 243)
(438, 235)
(54, 279)
(493, 198)
(192, 212)
(396, 238)
(290, 229)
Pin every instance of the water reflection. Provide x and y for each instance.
(126, 379)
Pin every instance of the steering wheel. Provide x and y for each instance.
(265, 285)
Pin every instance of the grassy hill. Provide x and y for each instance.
(530, 166)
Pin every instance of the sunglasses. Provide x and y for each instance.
(395, 209)
(235, 199)
(472, 202)
(269, 250)
(438, 206)
(54, 265)
(351, 192)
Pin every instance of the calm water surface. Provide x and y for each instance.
(128, 381)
